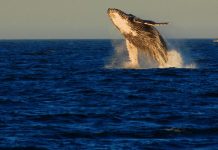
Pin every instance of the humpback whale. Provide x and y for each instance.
(141, 36)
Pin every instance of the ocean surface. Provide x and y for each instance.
(58, 94)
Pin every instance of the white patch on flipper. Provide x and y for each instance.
(133, 55)
(122, 24)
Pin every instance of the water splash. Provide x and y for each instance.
(120, 59)
(176, 60)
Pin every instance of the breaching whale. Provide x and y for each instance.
(141, 36)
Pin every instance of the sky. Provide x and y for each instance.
(87, 19)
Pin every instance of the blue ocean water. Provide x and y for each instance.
(57, 94)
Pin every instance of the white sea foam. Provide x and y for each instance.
(176, 60)
(120, 59)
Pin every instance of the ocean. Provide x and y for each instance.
(61, 94)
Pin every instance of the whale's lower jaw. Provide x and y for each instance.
(121, 22)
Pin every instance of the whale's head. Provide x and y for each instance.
(124, 22)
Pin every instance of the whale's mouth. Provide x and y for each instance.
(124, 15)
(128, 17)
(122, 21)
(112, 11)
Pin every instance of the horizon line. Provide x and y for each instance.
(92, 38)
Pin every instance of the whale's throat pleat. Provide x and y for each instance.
(123, 25)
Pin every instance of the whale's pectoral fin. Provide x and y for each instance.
(133, 54)
(149, 22)
(161, 23)
(152, 23)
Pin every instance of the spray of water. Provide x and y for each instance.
(176, 60)
(120, 59)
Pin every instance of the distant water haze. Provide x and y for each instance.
(82, 19)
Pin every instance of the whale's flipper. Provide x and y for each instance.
(133, 54)
(152, 23)
(149, 22)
